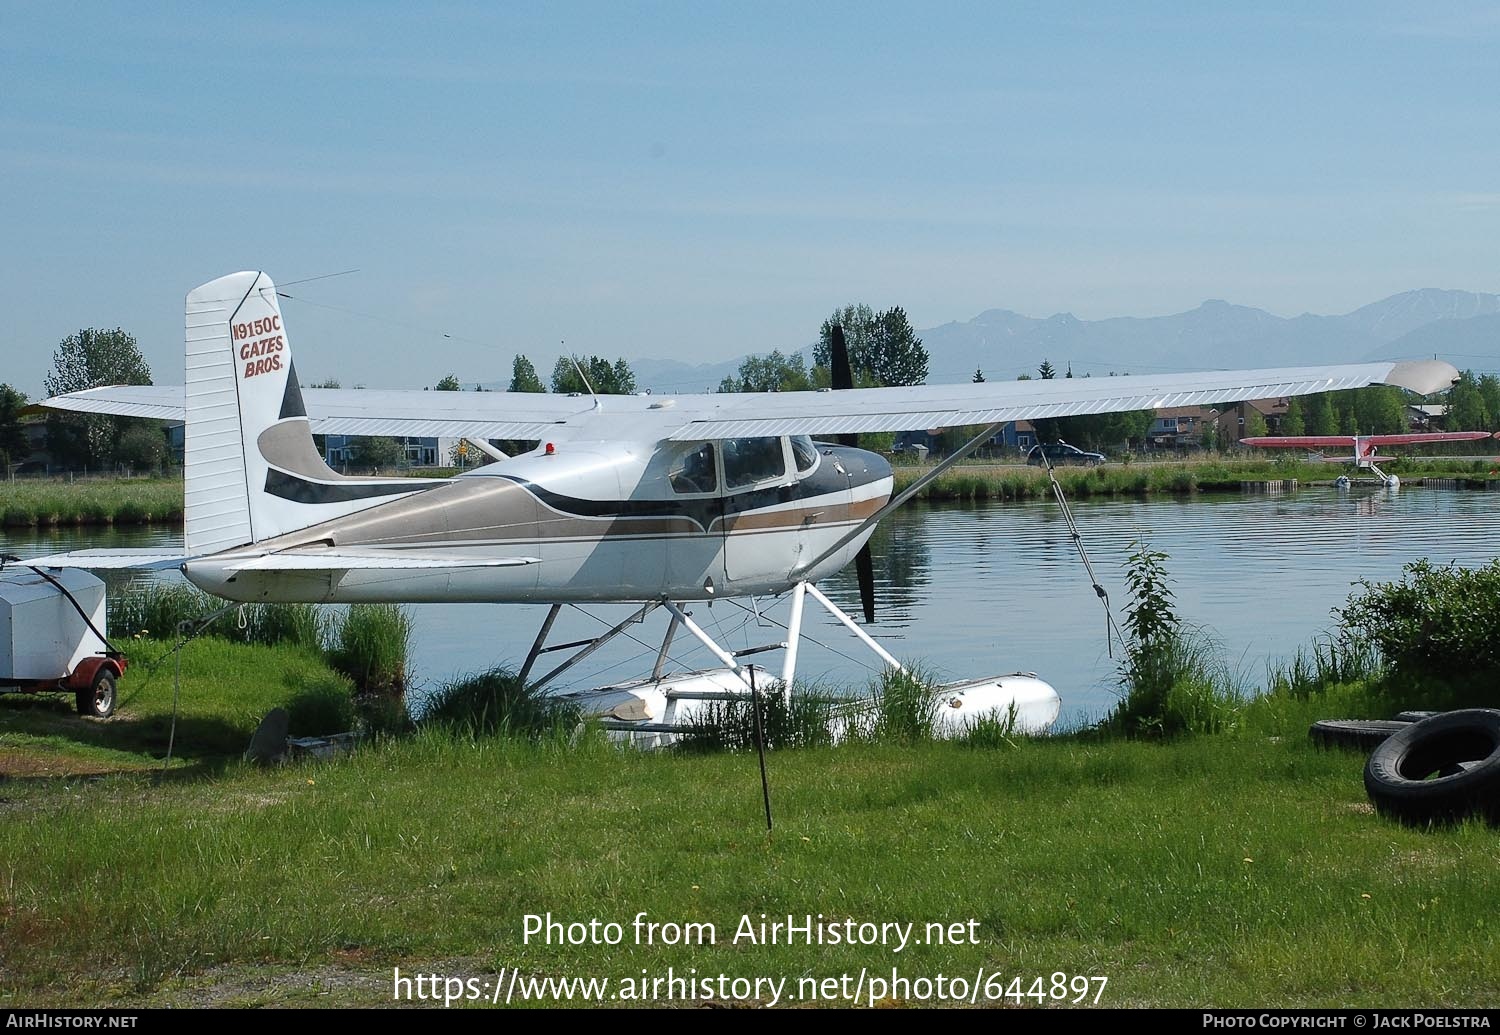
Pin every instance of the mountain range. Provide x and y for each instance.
(1460, 326)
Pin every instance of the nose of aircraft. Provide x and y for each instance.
(861, 465)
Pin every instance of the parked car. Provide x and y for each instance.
(1061, 454)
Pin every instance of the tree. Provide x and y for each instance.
(1489, 391)
(376, 451)
(978, 377)
(1047, 370)
(143, 448)
(448, 384)
(13, 442)
(1379, 410)
(897, 356)
(1320, 418)
(89, 359)
(523, 377)
(770, 373)
(883, 348)
(1466, 409)
(858, 322)
(606, 378)
(1255, 423)
(1100, 430)
(1292, 422)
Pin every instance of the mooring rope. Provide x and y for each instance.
(176, 653)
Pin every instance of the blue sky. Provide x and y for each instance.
(700, 181)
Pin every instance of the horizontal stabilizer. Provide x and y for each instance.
(333, 560)
(100, 560)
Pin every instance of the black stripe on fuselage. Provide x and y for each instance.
(300, 490)
(705, 510)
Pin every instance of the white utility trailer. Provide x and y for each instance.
(52, 637)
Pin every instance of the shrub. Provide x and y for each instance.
(157, 610)
(1332, 661)
(1173, 681)
(497, 703)
(905, 708)
(302, 625)
(805, 718)
(370, 648)
(1437, 621)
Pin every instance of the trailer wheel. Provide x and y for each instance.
(1439, 770)
(99, 699)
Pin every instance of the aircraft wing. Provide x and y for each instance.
(823, 413)
(1418, 437)
(1298, 441)
(358, 411)
(937, 406)
(1322, 441)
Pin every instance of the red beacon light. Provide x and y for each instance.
(551, 449)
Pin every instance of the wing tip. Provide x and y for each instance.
(1423, 376)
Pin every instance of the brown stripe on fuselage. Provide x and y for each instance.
(803, 517)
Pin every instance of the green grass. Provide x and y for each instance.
(29, 503)
(226, 689)
(1242, 869)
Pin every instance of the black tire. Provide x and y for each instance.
(1415, 716)
(1359, 734)
(1439, 770)
(99, 699)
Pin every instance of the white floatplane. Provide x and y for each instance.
(656, 500)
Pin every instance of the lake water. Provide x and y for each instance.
(981, 590)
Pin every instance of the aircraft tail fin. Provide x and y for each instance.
(252, 470)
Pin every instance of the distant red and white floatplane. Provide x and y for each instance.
(1365, 446)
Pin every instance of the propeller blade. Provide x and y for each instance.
(864, 567)
(840, 373)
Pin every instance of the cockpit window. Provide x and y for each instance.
(804, 453)
(695, 471)
(751, 460)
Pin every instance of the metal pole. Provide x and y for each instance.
(536, 647)
(666, 645)
(760, 747)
